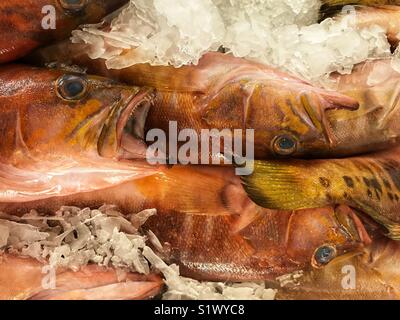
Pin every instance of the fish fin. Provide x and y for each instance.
(339, 101)
(186, 190)
(280, 185)
(393, 231)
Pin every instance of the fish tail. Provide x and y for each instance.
(281, 185)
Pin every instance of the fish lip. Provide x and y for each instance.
(142, 96)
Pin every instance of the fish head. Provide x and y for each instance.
(55, 112)
(319, 236)
(289, 117)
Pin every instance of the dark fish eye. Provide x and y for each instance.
(285, 145)
(325, 254)
(73, 5)
(71, 87)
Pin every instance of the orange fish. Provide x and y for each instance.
(65, 132)
(375, 84)
(372, 275)
(288, 115)
(369, 183)
(26, 25)
(215, 232)
(23, 278)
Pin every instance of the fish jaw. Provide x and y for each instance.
(131, 111)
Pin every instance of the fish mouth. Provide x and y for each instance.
(130, 126)
(122, 136)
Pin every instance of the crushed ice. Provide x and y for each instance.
(282, 33)
(75, 237)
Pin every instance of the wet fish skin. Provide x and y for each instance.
(372, 275)
(214, 231)
(360, 2)
(254, 96)
(55, 143)
(374, 126)
(369, 183)
(21, 28)
(385, 16)
(22, 278)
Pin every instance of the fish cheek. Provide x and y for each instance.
(308, 230)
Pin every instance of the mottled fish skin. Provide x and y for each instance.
(375, 84)
(21, 28)
(23, 278)
(54, 143)
(214, 231)
(369, 183)
(372, 275)
(224, 92)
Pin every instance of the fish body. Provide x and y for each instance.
(63, 132)
(360, 2)
(23, 278)
(375, 84)
(26, 24)
(369, 183)
(213, 231)
(372, 275)
(385, 14)
(224, 92)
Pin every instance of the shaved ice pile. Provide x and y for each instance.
(73, 238)
(282, 33)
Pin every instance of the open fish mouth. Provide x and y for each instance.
(122, 136)
(131, 126)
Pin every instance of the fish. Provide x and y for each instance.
(368, 183)
(65, 132)
(287, 114)
(375, 84)
(385, 16)
(372, 275)
(213, 231)
(26, 25)
(23, 278)
(333, 3)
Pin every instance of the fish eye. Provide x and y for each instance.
(325, 254)
(71, 87)
(73, 5)
(285, 145)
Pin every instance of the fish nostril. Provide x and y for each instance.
(325, 254)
